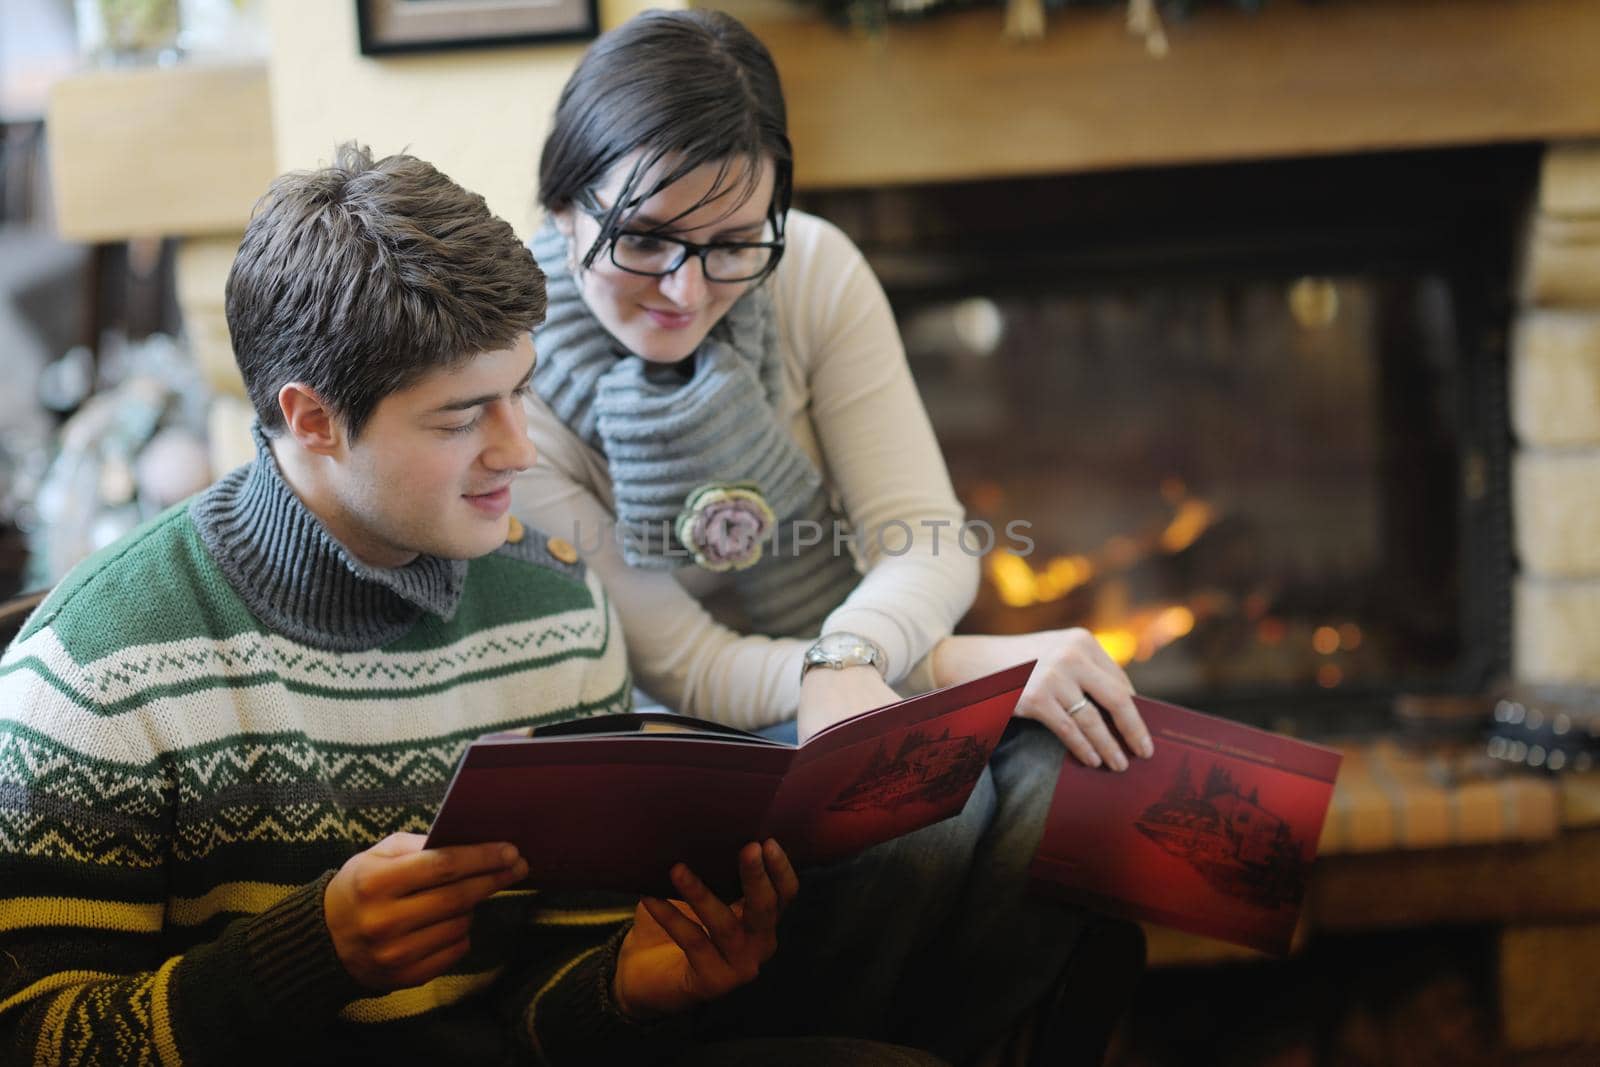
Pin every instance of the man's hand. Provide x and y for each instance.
(684, 952)
(1070, 690)
(399, 914)
(828, 696)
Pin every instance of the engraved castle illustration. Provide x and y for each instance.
(922, 768)
(1238, 846)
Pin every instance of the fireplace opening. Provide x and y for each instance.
(1252, 416)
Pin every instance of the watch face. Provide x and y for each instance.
(840, 650)
(845, 650)
(835, 645)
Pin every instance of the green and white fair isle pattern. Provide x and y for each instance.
(168, 766)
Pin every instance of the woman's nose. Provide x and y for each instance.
(686, 286)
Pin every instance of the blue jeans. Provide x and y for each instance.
(930, 940)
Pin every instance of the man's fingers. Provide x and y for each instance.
(398, 845)
(761, 906)
(418, 945)
(718, 919)
(688, 935)
(781, 871)
(431, 966)
(435, 867)
(436, 905)
(674, 914)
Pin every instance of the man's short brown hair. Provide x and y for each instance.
(361, 278)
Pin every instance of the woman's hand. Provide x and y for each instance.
(685, 952)
(1072, 690)
(828, 696)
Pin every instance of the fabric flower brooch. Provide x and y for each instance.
(724, 525)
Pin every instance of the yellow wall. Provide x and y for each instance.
(478, 115)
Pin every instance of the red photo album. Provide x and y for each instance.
(1215, 834)
(613, 802)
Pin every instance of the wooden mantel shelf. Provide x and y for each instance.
(188, 150)
(1541, 883)
(159, 151)
(949, 99)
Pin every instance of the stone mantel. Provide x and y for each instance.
(949, 98)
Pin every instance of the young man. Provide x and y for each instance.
(222, 737)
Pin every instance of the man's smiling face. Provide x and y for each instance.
(432, 468)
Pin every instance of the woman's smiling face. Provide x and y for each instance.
(665, 319)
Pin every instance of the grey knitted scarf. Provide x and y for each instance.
(301, 582)
(667, 435)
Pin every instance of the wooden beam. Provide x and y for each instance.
(159, 151)
(1557, 881)
(1553, 881)
(1548, 995)
(950, 99)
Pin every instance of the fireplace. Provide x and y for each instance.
(1253, 416)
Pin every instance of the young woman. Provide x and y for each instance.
(730, 434)
(728, 426)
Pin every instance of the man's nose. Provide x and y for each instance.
(510, 448)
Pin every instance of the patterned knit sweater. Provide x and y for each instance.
(207, 719)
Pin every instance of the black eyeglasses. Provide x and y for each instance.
(655, 255)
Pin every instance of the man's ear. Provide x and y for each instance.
(563, 221)
(310, 420)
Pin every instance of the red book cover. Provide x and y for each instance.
(1215, 834)
(616, 809)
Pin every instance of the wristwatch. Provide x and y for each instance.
(839, 650)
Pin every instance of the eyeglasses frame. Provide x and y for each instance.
(595, 211)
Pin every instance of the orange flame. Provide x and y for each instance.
(1127, 633)
(1193, 519)
(1019, 585)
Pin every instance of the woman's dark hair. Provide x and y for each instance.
(695, 86)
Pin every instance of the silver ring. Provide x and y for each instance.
(1079, 706)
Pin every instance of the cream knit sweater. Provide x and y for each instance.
(852, 406)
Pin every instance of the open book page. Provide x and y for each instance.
(615, 810)
(1214, 835)
(909, 765)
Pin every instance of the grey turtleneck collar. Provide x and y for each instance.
(301, 582)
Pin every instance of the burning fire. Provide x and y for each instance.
(1131, 632)
(1145, 633)
(1127, 634)
(1019, 586)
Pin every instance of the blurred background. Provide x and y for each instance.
(1277, 323)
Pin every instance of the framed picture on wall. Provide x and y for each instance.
(389, 26)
